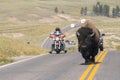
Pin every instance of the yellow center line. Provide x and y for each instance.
(96, 67)
(86, 72)
(90, 67)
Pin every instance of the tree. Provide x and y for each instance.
(117, 11)
(83, 11)
(113, 12)
(101, 9)
(98, 3)
(94, 9)
(97, 9)
(106, 10)
(56, 10)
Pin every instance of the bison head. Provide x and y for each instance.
(86, 39)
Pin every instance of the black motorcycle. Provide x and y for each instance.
(100, 43)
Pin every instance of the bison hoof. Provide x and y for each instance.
(88, 62)
(93, 60)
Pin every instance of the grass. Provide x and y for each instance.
(10, 48)
(33, 10)
(118, 47)
(14, 41)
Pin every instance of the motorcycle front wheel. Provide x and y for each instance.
(57, 52)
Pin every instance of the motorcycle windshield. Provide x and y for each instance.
(57, 38)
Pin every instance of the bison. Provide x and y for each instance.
(88, 41)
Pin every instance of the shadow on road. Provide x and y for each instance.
(90, 63)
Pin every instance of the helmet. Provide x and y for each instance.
(57, 29)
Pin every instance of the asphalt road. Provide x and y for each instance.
(47, 67)
(110, 68)
(62, 67)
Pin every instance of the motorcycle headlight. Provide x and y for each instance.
(57, 43)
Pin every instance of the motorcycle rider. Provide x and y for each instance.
(100, 43)
(57, 33)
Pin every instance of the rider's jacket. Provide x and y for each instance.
(57, 34)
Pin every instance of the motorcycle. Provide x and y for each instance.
(58, 44)
(100, 43)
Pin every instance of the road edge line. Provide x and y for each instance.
(16, 62)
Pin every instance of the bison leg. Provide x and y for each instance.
(86, 56)
(93, 54)
(93, 59)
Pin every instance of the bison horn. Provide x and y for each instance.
(78, 33)
(92, 34)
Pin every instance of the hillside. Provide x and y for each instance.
(18, 11)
